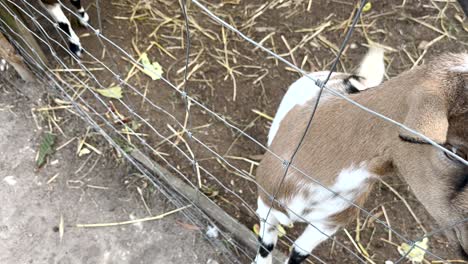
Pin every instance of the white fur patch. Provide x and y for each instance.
(349, 184)
(372, 68)
(274, 216)
(320, 205)
(312, 237)
(85, 18)
(300, 92)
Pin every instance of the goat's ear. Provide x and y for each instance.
(427, 114)
(372, 68)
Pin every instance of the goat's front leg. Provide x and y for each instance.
(57, 14)
(84, 18)
(268, 233)
(314, 234)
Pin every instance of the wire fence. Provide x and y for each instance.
(176, 130)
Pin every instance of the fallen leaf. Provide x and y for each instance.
(416, 254)
(84, 151)
(126, 146)
(256, 229)
(281, 231)
(210, 192)
(135, 125)
(152, 69)
(111, 92)
(367, 7)
(46, 148)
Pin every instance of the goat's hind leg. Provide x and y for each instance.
(268, 233)
(57, 14)
(84, 18)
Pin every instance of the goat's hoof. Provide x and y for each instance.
(76, 49)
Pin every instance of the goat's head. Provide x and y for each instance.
(438, 108)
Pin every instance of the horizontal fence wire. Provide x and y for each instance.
(48, 76)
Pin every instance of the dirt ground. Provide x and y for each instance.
(237, 81)
(79, 190)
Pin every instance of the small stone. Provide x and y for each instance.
(353, 46)
(10, 180)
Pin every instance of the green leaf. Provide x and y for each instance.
(111, 92)
(46, 148)
(153, 70)
(126, 146)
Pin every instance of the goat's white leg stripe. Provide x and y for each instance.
(312, 237)
(57, 14)
(268, 233)
(84, 18)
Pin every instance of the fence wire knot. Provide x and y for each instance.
(320, 83)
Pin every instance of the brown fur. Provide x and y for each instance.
(430, 99)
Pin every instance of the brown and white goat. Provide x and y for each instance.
(346, 149)
(55, 11)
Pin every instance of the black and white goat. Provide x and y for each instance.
(348, 149)
(55, 11)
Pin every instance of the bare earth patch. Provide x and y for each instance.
(89, 189)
